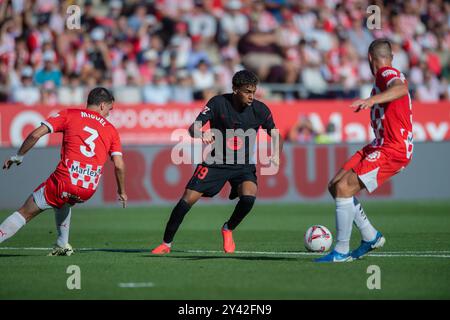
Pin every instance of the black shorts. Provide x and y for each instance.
(209, 180)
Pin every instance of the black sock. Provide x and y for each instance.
(175, 220)
(243, 207)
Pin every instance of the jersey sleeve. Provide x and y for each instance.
(57, 122)
(268, 124)
(386, 76)
(116, 146)
(207, 114)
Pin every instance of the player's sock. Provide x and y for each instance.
(345, 214)
(62, 219)
(11, 225)
(242, 208)
(368, 232)
(176, 217)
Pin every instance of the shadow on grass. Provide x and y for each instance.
(235, 257)
(14, 255)
(112, 250)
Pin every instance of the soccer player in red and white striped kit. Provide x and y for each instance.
(388, 154)
(88, 140)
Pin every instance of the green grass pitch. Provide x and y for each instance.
(271, 262)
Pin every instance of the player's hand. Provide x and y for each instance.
(123, 198)
(362, 104)
(74, 198)
(208, 137)
(14, 159)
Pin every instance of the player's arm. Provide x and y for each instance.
(29, 142)
(119, 171)
(277, 140)
(195, 130)
(396, 89)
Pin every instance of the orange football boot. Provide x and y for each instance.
(228, 243)
(161, 249)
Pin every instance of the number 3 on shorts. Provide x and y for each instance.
(201, 172)
(90, 142)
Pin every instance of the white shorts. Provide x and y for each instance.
(39, 199)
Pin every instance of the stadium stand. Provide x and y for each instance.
(187, 50)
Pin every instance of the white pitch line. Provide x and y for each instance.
(393, 254)
(417, 254)
(136, 285)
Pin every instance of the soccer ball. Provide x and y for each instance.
(318, 239)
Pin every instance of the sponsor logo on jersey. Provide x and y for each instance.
(84, 175)
(234, 143)
(374, 156)
(100, 119)
(388, 72)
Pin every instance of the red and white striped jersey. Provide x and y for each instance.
(89, 139)
(392, 121)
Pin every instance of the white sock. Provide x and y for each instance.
(345, 214)
(62, 219)
(11, 225)
(368, 232)
(168, 244)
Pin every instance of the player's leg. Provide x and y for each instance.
(247, 195)
(189, 198)
(62, 220)
(368, 232)
(19, 218)
(343, 187)
(206, 181)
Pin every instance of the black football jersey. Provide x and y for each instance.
(234, 131)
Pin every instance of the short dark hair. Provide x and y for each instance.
(99, 95)
(243, 78)
(381, 48)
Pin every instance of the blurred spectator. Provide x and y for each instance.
(182, 90)
(233, 23)
(72, 93)
(49, 72)
(261, 54)
(158, 92)
(428, 91)
(224, 74)
(360, 37)
(49, 96)
(260, 19)
(201, 23)
(25, 92)
(203, 80)
(302, 132)
(197, 53)
(148, 68)
(329, 136)
(401, 59)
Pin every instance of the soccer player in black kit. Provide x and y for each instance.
(234, 121)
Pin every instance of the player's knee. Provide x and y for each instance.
(341, 188)
(191, 197)
(332, 188)
(189, 200)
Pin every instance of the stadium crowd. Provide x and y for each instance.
(160, 51)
